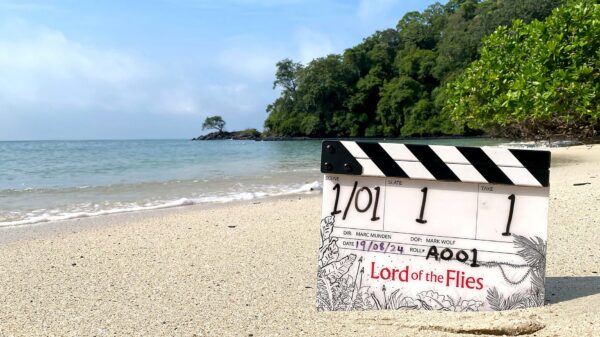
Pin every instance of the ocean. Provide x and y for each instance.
(44, 181)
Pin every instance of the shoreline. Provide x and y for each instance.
(41, 230)
(284, 139)
(39, 214)
(307, 188)
(555, 143)
(5, 230)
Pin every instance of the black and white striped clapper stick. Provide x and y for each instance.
(493, 165)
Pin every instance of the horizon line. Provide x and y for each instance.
(88, 139)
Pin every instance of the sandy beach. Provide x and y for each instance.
(248, 269)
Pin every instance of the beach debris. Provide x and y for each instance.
(231, 226)
(581, 184)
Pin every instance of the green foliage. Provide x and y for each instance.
(251, 132)
(394, 82)
(286, 75)
(214, 122)
(535, 80)
(397, 94)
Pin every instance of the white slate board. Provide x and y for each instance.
(461, 243)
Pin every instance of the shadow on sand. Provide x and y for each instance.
(559, 289)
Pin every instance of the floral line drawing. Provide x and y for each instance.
(335, 288)
(338, 290)
(426, 300)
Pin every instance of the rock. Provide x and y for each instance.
(248, 134)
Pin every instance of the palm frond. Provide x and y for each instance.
(324, 294)
(537, 280)
(498, 302)
(515, 301)
(533, 251)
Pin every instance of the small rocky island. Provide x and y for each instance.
(217, 123)
(248, 134)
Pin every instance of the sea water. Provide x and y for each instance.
(55, 180)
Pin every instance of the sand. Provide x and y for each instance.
(248, 269)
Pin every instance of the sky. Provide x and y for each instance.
(155, 69)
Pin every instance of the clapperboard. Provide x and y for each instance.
(432, 227)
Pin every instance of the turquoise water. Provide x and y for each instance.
(54, 180)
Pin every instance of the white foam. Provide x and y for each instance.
(314, 186)
(541, 145)
(57, 215)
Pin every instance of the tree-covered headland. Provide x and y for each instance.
(518, 68)
(535, 80)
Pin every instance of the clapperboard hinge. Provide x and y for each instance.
(491, 165)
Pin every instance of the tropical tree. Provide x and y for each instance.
(214, 122)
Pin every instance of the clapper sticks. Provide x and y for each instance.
(466, 225)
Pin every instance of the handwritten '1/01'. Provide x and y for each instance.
(354, 196)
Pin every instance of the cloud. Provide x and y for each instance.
(312, 44)
(178, 101)
(242, 3)
(47, 77)
(382, 14)
(44, 73)
(41, 69)
(372, 9)
(228, 99)
(266, 3)
(247, 57)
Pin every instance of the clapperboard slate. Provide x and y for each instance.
(432, 227)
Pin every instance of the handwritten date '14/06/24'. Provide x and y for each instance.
(373, 200)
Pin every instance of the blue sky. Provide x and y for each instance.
(155, 69)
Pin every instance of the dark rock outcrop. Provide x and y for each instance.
(248, 134)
